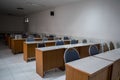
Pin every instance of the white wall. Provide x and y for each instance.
(11, 23)
(99, 19)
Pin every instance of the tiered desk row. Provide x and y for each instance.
(29, 48)
(104, 66)
(52, 57)
(17, 45)
(112, 56)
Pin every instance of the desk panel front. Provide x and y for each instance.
(113, 56)
(84, 50)
(48, 60)
(50, 44)
(66, 42)
(17, 45)
(52, 57)
(29, 50)
(116, 70)
(9, 42)
(88, 68)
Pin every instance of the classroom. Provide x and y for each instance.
(59, 40)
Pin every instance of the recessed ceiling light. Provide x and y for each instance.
(20, 8)
(35, 4)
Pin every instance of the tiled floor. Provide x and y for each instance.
(13, 67)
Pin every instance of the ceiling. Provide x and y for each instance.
(29, 6)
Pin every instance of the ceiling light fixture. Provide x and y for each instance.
(20, 8)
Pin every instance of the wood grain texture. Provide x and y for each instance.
(67, 42)
(76, 74)
(39, 63)
(102, 74)
(50, 44)
(29, 49)
(17, 45)
(48, 60)
(25, 51)
(116, 71)
(84, 51)
(9, 42)
(54, 58)
(113, 56)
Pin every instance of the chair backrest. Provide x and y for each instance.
(45, 39)
(93, 50)
(73, 41)
(24, 35)
(84, 41)
(18, 36)
(105, 47)
(71, 54)
(118, 45)
(34, 35)
(30, 38)
(59, 42)
(66, 38)
(112, 46)
(51, 36)
(39, 45)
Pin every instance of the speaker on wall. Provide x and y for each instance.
(51, 13)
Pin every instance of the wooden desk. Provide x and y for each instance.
(89, 68)
(83, 48)
(52, 57)
(113, 56)
(6, 39)
(9, 41)
(17, 45)
(29, 48)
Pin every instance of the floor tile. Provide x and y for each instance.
(13, 67)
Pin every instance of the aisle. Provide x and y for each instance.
(13, 67)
